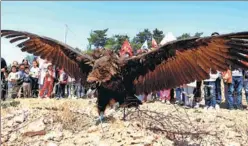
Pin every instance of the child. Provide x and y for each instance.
(48, 82)
(165, 96)
(62, 83)
(27, 83)
(35, 74)
(12, 82)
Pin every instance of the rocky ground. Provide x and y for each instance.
(48, 122)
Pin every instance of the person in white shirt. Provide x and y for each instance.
(210, 90)
(12, 82)
(35, 74)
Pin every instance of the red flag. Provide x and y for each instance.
(126, 48)
(154, 43)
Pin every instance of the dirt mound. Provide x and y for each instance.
(66, 122)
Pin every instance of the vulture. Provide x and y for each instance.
(117, 79)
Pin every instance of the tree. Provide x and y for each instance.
(158, 35)
(30, 58)
(98, 38)
(184, 36)
(115, 42)
(187, 35)
(140, 38)
(198, 34)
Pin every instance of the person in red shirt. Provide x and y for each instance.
(48, 82)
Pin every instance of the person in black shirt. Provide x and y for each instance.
(3, 83)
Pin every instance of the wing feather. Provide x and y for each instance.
(184, 61)
(57, 52)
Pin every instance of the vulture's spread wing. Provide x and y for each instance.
(60, 54)
(184, 61)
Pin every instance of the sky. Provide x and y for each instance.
(50, 17)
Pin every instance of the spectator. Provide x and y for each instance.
(12, 82)
(246, 86)
(62, 83)
(48, 82)
(197, 94)
(25, 63)
(27, 83)
(227, 78)
(235, 89)
(15, 63)
(79, 89)
(179, 91)
(210, 91)
(3, 83)
(35, 74)
(43, 68)
(165, 96)
(218, 81)
(20, 80)
(218, 90)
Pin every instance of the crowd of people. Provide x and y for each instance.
(44, 80)
(37, 79)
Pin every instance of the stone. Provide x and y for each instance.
(35, 126)
(136, 135)
(10, 123)
(13, 137)
(126, 124)
(230, 124)
(56, 136)
(20, 118)
(149, 140)
(92, 129)
(233, 144)
(9, 116)
(4, 138)
(51, 144)
(232, 134)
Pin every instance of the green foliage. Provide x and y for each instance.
(98, 38)
(187, 35)
(30, 58)
(158, 35)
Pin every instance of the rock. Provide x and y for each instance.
(232, 134)
(4, 138)
(103, 143)
(9, 116)
(10, 123)
(233, 144)
(51, 144)
(149, 140)
(6, 131)
(35, 126)
(230, 124)
(67, 144)
(67, 134)
(136, 135)
(21, 118)
(13, 137)
(126, 124)
(92, 129)
(56, 136)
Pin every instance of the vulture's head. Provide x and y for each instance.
(105, 66)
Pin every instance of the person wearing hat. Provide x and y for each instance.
(48, 82)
